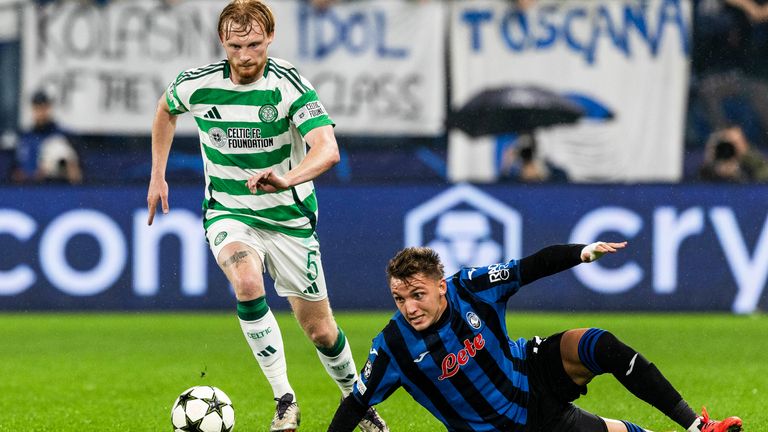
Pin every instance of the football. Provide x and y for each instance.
(203, 409)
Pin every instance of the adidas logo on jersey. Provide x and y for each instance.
(213, 113)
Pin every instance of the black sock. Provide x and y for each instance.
(602, 352)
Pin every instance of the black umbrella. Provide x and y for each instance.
(514, 110)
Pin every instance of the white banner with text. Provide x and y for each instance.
(377, 66)
(624, 63)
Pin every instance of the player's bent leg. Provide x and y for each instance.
(334, 352)
(296, 266)
(601, 352)
(316, 319)
(332, 346)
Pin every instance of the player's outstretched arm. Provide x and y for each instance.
(163, 128)
(557, 258)
(323, 154)
(348, 415)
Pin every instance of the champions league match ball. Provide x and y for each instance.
(203, 409)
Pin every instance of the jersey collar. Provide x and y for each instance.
(228, 71)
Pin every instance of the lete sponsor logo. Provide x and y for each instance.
(453, 362)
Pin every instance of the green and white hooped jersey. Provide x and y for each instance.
(248, 128)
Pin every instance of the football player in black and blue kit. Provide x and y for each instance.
(448, 347)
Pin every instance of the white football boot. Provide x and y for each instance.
(287, 415)
(372, 422)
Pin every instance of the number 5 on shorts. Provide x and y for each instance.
(311, 266)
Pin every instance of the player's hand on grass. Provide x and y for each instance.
(267, 181)
(594, 251)
(158, 191)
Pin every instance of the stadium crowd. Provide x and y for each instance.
(728, 90)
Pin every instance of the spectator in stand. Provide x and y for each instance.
(757, 52)
(756, 10)
(524, 4)
(522, 163)
(731, 57)
(44, 153)
(730, 158)
(325, 4)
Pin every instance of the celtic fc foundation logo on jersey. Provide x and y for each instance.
(268, 113)
(220, 238)
(217, 136)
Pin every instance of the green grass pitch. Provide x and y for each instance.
(122, 372)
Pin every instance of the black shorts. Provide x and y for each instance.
(551, 392)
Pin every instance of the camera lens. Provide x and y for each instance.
(724, 150)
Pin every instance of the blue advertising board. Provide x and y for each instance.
(691, 247)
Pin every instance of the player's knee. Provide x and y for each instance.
(247, 285)
(610, 348)
(601, 351)
(587, 349)
(322, 335)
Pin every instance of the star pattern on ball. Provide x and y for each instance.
(224, 427)
(214, 405)
(193, 426)
(184, 398)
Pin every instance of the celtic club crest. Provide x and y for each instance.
(219, 238)
(268, 113)
(217, 136)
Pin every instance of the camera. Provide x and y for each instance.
(724, 150)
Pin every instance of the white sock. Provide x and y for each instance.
(341, 367)
(266, 342)
(695, 426)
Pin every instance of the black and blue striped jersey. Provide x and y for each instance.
(464, 369)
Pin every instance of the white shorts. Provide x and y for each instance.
(293, 263)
